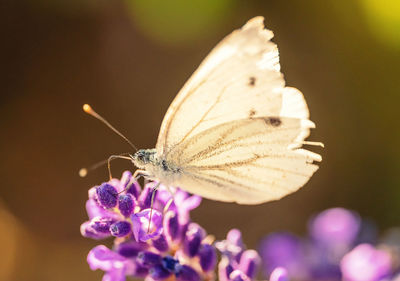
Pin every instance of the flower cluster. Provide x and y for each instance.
(153, 243)
(340, 246)
(161, 242)
(158, 241)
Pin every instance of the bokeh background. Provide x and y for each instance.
(128, 59)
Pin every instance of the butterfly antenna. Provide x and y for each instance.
(89, 110)
(84, 171)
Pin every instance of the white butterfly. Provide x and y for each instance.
(234, 132)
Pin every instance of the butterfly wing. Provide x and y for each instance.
(217, 132)
(239, 79)
(247, 161)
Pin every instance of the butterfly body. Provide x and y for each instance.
(156, 167)
(235, 132)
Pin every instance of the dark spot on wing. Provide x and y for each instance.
(252, 81)
(273, 121)
(164, 165)
(252, 112)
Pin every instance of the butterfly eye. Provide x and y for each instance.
(252, 81)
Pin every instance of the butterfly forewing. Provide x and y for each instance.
(234, 131)
(240, 78)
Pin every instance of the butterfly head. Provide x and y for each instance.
(143, 157)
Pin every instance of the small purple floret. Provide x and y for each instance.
(160, 243)
(283, 250)
(186, 273)
(120, 228)
(336, 226)
(208, 257)
(107, 195)
(171, 264)
(249, 263)
(238, 275)
(126, 204)
(149, 259)
(194, 235)
(171, 226)
(158, 272)
(279, 274)
(141, 222)
(365, 263)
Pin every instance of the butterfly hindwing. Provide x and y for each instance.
(246, 161)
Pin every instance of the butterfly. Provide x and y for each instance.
(234, 132)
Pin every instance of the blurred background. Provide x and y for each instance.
(128, 59)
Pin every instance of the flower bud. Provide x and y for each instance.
(130, 248)
(134, 189)
(208, 257)
(279, 274)
(120, 228)
(238, 275)
(143, 229)
(224, 269)
(126, 204)
(145, 197)
(234, 236)
(194, 235)
(186, 273)
(171, 264)
(107, 195)
(158, 272)
(160, 243)
(148, 259)
(249, 263)
(171, 225)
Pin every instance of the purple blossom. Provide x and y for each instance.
(329, 252)
(283, 250)
(151, 243)
(366, 263)
(120, 228)
(107, 195)
(279, 274)
(116, 266)
(143, 228)
(162, 242)
(237, 263)
(335, 227)
(126, 204)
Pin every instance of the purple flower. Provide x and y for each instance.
(207, 256)
(283, 250)
(143, 228)
(194, 235)
(97, 228)
(237, 264)
(149, 244)
(336, 226)
(107, 195)
(279, 274)
(126, 204)
(120, 228)
(115, 265)
(187, 273)
(366, 263)
(249, 263)
(172, 228)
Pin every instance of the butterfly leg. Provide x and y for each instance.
(112, 157)
(153, 195)
(136, 175)
(172, 192)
